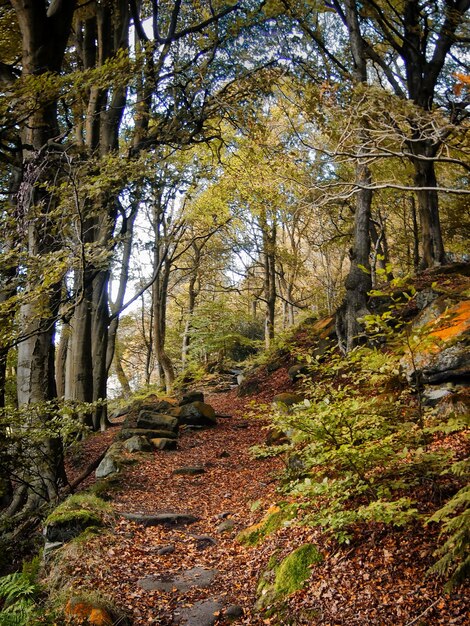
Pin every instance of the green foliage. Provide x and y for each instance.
(19, 593)
(454, 553)
(364, 447)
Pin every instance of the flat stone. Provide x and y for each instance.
(171, 519)
(233, 612)
(191, 396)
(137, 443)
(431, 397)
(156, 421)
(225, 526)
(195, 577)
(197, 414)
(163, 443)
(169, 549)
(189, 471)
(204, 541)
(127, 433)
(202, 613)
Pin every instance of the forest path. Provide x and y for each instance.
(220, 498)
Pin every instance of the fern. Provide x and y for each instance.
(18, 593)
(455, 552)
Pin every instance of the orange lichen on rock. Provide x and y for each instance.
(78, 611)
(453, 322)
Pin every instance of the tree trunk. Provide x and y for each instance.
(44, 39)
(358, 282)
(433, 252)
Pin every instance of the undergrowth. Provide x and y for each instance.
(365, 441)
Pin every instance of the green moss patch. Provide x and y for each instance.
(272, 521)
(74, 515)
(281, 579)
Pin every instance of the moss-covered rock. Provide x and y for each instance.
(74, 515)
(280, 579)
(274, 519)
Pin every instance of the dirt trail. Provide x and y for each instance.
(222, 495)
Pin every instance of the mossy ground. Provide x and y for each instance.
(272, 521)
(280, 579)
(82, 508)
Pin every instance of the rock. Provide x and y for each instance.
(298, 372)
(432, 397)
(191, 396)
(224, 514)
(195, 577)
(282, 579)
(166, 550)
(67, 528)
(170, 519)
(225, 526)
(197, 414)
(233, 612)
(50, 547)
(450, 364)
(276, 437)
(204, 541)
(120, 412)
(111, 463)
(156, 421)
(89, 612)
(201, 613)
(285, 401)
(189, 471)
(159, 406)
(127, 433)
(223, 455)
(138, 444)
(250, 385)
(425, 297)
(163, 443)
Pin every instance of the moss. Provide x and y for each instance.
(281, 579)
(295, 569)
(82, 508)
(273, 520)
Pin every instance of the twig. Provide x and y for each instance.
(413, 621)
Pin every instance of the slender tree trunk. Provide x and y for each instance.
(428, 208)
(358, 283)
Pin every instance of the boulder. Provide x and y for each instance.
(297, 372)
(276, 437)
(197, 414)
(138, 444)
(191, 396)
(163, 443)
(112, 461)
(156, 421)
(226, 526)
(442, 353)
(127, 433)
(87, 612)
(285, 401)
(73, 516)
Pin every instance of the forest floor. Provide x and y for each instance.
(379, 579)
